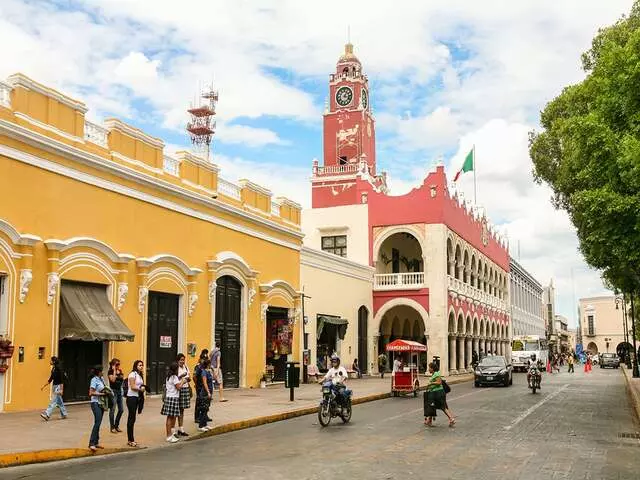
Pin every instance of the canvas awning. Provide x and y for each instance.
(341, 323)
(86, 314)
(405, 346)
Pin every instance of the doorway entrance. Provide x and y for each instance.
(162, 337)
(363, 324)
(278, 338)
(77, 359)
(227, 334)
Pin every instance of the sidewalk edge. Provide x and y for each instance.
(634, 395)
(53, 455)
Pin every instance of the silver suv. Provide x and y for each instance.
(609, 360)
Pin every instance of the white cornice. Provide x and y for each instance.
(183, 155)
(48, 127)
(336, 264)
(244, 183)
(20, 80)
(137, 194)
(288, 202)
(56, 245)
(120, 126)
(42, 141)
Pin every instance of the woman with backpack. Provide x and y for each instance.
(57, 378)
(171, 400)
(435, 398)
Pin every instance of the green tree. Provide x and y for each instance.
(589, 152)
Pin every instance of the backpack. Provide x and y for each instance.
(446, 386)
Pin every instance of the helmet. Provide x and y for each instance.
(533, 357)
(335, 358)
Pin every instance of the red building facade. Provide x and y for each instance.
(442, 274)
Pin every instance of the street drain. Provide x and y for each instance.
(635, 436)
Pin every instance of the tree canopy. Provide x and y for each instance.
(589, 152)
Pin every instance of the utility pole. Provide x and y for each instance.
(305, 340)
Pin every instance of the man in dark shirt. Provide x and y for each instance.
(57, 379)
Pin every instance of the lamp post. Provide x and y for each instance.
(621, 299)
(305, 340)
(634, 354)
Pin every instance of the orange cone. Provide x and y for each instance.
(548, 366)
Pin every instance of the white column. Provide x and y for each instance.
(459, 355)
(452, 354)
(467, 357)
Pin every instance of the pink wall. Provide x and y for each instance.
(380, 298)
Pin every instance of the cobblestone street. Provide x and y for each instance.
(572, 429)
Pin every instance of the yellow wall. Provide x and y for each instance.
(61, 206)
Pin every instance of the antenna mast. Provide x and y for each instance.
(202, 126)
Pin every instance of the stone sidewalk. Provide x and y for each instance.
(25, 432)
(633, 390)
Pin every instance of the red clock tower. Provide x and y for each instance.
(349, 138)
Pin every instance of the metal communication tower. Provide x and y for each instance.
(202, 126)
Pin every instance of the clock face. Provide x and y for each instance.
(344, 96)
(364, 99)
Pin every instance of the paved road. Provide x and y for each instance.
(570, 430)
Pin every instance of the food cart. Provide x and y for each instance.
(406, 380)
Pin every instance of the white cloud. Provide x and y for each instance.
(137, 71)
(248, 136)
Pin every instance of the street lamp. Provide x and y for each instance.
(621, 299)
(636, 373)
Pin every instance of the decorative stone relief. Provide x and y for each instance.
(53, 280)
(212, 290)
(123, 290)
(143, 293)
(193, 301)
(252, 295)
(263, 311)
(26, 276)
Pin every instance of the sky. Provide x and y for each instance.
(444, 76)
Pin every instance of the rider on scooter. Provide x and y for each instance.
(533, 363)
(337, 374)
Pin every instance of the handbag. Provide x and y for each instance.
(445, 385)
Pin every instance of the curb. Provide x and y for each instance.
(634, 395)
(54, 455)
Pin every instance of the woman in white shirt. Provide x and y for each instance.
(136, 388)
(185, 393)
(171, 403)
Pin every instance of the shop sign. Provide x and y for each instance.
(165, 341)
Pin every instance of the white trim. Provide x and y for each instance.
(172, 259)
(48, 127)
(275, 286)
(87, 242)
(133, 132)
(46, 143)
(9, 313)
(408, 302)
(288, 202)
(207, 191)
(336, 264)
(130, 192)
(227, 258)
(137, 163)
(16, 237)
(21, 80)
(190, 157)
(244, 183)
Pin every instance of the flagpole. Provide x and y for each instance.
(475, 200)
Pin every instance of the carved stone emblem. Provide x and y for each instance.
(26, 278)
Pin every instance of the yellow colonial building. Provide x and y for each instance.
(109, 247)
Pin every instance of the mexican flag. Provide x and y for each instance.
(468, 165)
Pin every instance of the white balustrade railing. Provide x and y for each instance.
(95, 134)
(470, 291)
(5, 95)
(228, 189)
(171, 166)
(399, 281)
(332, 169)
(275, 208)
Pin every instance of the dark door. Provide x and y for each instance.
(162, 338)
(363, 322)
(395, 260)
(77, 359)
(228, 310)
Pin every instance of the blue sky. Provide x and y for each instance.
(443, 76)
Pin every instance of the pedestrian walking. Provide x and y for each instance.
(96, 392)
(216, 369)
(570, 363)
(356, 368)
(57, 379)
(204, 389)
(116, 379)
(186, 393)
(435, 398)
(382, 364)
(135, 397)
(171, 401)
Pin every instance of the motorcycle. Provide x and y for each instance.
(535, 378)
(336, 402)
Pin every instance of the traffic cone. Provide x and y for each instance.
(548, 366)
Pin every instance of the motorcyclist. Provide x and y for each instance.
(337, 374)
(532, 365)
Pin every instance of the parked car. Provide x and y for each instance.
(609, 360)
(493, 370)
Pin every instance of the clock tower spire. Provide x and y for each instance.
(349, 132)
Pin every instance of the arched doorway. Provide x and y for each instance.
(227, 334)
(363, 323)
(592, 348)
(399, 322)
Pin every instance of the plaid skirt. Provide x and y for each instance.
(185, 398)
(171, 407)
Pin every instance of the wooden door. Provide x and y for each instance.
(363, 324)
(162, 338)
(77, 360)
(227, 334)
